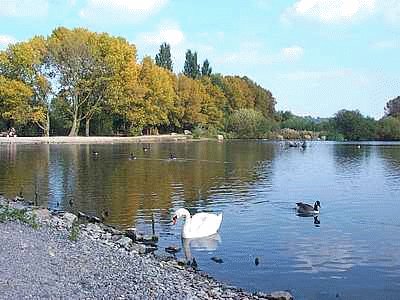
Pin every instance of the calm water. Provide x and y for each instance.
(353, 253)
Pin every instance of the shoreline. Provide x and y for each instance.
(96, 139)
(42, 260)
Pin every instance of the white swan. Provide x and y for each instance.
(198, 225)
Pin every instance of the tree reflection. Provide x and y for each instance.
(203, 172)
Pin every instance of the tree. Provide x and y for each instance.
(14, 100)
(206, 70)
(86, 67)
(25, 62)
(392, 108)
(248, 123)
(389, 129)
(159, 94)
(215, 103)
(191, 68)
(163, 58)
(192, 96)
(354, 126)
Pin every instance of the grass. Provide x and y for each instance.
(74, 233)
(11, 214)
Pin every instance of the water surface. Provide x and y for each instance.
(351, 254)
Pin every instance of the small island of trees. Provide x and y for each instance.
(78, 82)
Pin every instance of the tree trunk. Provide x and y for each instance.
(47, 126)
(87, 128)
(75, 125)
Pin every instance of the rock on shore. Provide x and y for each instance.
(102, 264)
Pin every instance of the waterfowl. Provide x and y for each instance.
(95, 153)
(132, 156)
(194, 263)
(199, 225)
(303, 208)
(104, 215)
(172, 249)
(218, 260)
(145, 149)
(172, 156)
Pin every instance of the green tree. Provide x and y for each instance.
(354, 126)
(392, 107)
(163, 58)
(191, 68)
(389, 129)
(206, 70)
(248, 123)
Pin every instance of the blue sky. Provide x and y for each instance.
(316, 56)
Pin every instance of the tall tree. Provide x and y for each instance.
(392, 108)
(25, 63)
(206, 70)
(159, 94)
(191, 68)
(84, 64)
(163, 58)
(14, 100)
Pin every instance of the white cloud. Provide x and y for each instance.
(5, 40)
(330, 11)
(172, 36)
(120, 10)
(24, 8)
(292, 53)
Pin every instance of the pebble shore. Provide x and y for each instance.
(100, 262)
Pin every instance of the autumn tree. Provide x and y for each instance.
(192, 96)
(191, 68)
(84, 64)
(14, 100)
(206, 70)
(163, 58)
(159, 94)
(214, 103)
(25, 63)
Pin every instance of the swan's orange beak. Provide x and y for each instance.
(174, 220)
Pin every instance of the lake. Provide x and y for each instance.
(350, 252)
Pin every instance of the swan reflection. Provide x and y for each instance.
(209, 243)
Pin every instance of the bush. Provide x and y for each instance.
(389, 129)
(248, 123)
(335, 136)
(200, 131)
(135, 131)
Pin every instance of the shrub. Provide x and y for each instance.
(248, 123)
(389, 129)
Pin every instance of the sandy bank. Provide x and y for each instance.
(94, 139)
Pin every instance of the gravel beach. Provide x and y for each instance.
(44, 263)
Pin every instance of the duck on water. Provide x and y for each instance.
(304, 208)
